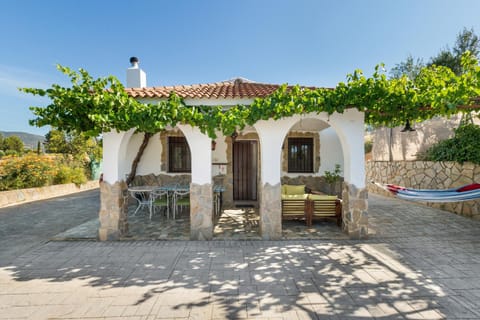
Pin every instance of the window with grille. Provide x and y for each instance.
(178, 155)
(300, 154)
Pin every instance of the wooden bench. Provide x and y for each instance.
(323, 206)
(294, 202)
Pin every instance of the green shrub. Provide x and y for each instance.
(11, 153)
(66, 174)
(62, 175)
(463, 147)
(78, 176)
(29, 171)
(32, 170)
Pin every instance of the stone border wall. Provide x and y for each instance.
(316, 183)
(427, 175)
(14, 197)
(161, 179)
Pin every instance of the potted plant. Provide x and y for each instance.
(332, 178)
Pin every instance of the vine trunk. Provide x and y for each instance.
(138, 157)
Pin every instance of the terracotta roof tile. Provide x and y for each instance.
(236, 88)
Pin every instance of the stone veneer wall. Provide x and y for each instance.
(315, 183)
(161, 179)
(113, 211)
(201, 208)
(355, 211)
(427, 175)
(270, 212)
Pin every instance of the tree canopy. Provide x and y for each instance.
(466, 40)
(74, 144)
(411, 68)
(13, 143)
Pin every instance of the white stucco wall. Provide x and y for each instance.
(271, 135)
(330, 151)
(406, 145)
(200, 150)
(219, 155)
(120, 149)
(348, 127)
(150, 162)
(115, 145)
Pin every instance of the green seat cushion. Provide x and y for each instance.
(293, 190)
(183, 201)
(294, 196)
(321, 197)
(160, 202)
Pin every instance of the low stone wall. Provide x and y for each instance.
(427, 175)
(315, 183)
(161, 179)
(14, 197)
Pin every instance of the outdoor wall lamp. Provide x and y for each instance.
(234, 135)
(407, 128)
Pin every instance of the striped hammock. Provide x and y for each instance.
(465, 193)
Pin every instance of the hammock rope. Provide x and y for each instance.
(465, 193)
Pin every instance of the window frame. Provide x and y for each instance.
(306, 165)
(179, 143)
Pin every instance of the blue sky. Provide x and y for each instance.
(309, 42)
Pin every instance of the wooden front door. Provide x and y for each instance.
(245, 155)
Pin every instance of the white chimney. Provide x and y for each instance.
(136, 77)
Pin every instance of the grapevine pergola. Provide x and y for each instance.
(93, 106)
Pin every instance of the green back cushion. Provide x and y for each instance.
(292, 190)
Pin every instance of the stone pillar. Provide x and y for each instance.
(113, 213)
(355, 211)
(201, 208)
(271, 217)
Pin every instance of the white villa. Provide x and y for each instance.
(251, 165)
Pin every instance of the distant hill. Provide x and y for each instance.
(29, 140)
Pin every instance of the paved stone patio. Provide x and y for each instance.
(233, 224)
(419, 263)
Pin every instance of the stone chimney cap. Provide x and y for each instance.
(136, 77)
(133, 61)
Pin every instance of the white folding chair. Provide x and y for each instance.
(159, 198)
(181, 199)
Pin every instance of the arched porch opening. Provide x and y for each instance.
(166, 163)
(165, 169)
(349, 128)
(310, 149)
